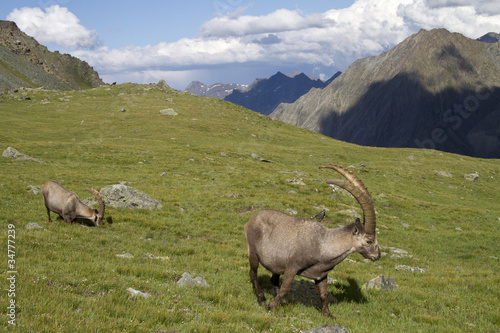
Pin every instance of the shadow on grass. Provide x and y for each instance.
(306, 293)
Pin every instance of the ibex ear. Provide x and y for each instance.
(355, 231)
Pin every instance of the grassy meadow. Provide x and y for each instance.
(199, 165)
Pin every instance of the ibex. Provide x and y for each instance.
(67, 204)
(291, 246)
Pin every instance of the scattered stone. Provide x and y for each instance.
(406, 225)
(397, 253)
(148, 255)
(349, 212)
(187, 280)
(411, 157)
(122, 110)
(257, 157)
(296, 181)
(410, 269)
(32, 225)
(122, 196)
(443, 173)
(458, 229)
(291, 211)
(328, 328)
(13, 153)
(136, 293)
(223, 154)
(169, 112)
(162, 84)
(380, 283)
(34, 189)
(125, 256)
(233, 195)
(473, 177)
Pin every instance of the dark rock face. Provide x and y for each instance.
(37, 66)
(436, 90)
(264, 95)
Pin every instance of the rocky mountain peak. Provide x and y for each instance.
(413, 95)
(71, 72)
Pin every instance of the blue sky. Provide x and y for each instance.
(236, 41)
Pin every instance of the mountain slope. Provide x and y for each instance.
(26, 63)
(264, 95)
(200, 165)
(435, 89)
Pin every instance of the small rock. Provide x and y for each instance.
(291, 211)
(257, 157)
(122, 110)
(32, 225)
(406, 225)
(411, 157)
(381, 283)
(296, 181)
(169, 112)
(34, 189)
(135, 293)
(13, 153)
(328, 328)
(473, 177)
(443, 173)
(152, 256)
(125, 256)
(187, 280)
(162, 84)
(349, 212)
(410, 269)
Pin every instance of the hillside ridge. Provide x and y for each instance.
(60, 71)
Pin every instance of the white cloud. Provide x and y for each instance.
(55, 25)
(330, 40)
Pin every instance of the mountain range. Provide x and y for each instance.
(216, 90)
(26, 63)
(436, 89)
(264, 95)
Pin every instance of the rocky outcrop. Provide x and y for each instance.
(123, 196)
(10, 152)
(30, 64)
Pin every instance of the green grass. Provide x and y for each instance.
(70, 279)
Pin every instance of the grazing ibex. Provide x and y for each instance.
(67, 204)
(291, 246)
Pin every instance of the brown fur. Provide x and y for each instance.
(67, 204)
(289, 246)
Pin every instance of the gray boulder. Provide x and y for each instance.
(188, 280)
(122, 196)
(473, 177)
(380, 282)
(33, 225)
(13, 153)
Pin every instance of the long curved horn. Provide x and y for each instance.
(355, 186)
(100, 200)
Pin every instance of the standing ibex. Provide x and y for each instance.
(67, 204)
(291, 246)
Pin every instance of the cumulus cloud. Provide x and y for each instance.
(54, 25)
(333, 39)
